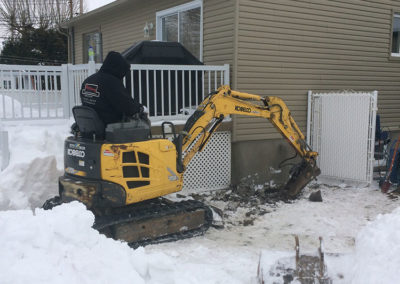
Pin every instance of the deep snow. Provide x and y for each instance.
(59, 246)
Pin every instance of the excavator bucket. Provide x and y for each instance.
(302, 268)
(300, 175)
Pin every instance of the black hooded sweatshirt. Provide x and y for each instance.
(105, 92)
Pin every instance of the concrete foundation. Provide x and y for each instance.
(255, 159)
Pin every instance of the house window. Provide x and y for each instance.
(396, 35)
(92, 41)
(182, 24)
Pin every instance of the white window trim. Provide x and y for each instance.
(394, 54)
(175, 10)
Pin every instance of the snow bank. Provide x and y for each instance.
(36, 162)
(59, 246)
(377, 256)
(28, 185)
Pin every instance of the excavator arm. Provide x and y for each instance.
(217, 105)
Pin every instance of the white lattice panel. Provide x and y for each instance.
(342, 131)
(211, 168)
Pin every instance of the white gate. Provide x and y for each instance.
(341, 128)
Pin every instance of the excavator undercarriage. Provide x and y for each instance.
(121, 173)
(155, 221)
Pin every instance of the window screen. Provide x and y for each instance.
(182, 25)
(189, 30)
(395, 35)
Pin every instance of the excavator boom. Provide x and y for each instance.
(224, 102)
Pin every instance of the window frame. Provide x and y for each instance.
(176, 10)
(85, 55)
(393, 56)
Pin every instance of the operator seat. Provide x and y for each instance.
(89, 123)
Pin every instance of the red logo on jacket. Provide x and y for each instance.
(90, 90)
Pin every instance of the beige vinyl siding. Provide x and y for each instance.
(218, 31)
(288, 47)
(123, 25)
(79, 31)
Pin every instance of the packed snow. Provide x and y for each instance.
(360, 228)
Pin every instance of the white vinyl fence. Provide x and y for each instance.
(341, 128)
(46, 92)
(174, 91)
(30, 92)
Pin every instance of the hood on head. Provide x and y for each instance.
(115, 64)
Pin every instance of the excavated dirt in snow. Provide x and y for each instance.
(261, 216)
(241, 204)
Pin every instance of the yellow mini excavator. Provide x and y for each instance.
(121, 173)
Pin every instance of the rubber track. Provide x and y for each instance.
(153, 209)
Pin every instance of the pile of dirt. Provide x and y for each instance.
(241, 204)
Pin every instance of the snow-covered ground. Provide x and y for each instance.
(360, 228)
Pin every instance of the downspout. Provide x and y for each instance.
(72, 37)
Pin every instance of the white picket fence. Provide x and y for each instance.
(29, 92)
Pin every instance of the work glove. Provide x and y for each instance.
(144, 114)
(144, 109)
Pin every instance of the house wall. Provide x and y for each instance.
(122, 26)
(288, 47)
(218, 31)
(285, 48)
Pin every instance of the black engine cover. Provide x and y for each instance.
(82, 157)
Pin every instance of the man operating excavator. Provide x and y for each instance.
(124, 174)
(105, 93)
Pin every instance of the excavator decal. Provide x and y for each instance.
(242, 109)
